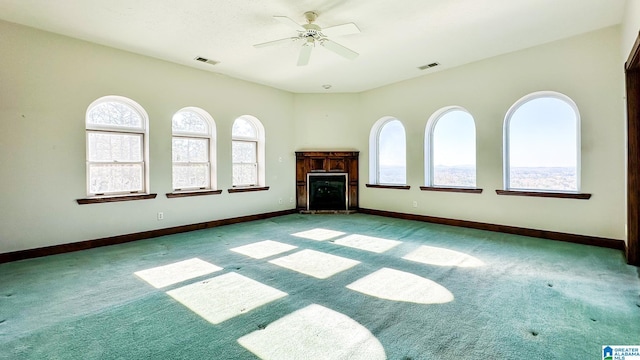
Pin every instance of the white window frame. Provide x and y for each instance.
(259, 140)
(429, 142)
(374, 150)
(210, 136)
(142, 131)
(506, 163)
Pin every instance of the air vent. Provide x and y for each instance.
(428, 66)
(205, 60)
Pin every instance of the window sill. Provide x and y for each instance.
(548, 194)
(247, 189)
(382, 186)
(115, 198)
(187, 193)
(452, 189)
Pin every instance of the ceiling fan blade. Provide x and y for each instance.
(305, 54)
(289, 22)
(341, 30)
(276, 42)
(339, 49)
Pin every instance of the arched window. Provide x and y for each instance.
(193, 150)
(117, 147)
(247, 152)
(450, 149)
(542, 144)
(387, 152)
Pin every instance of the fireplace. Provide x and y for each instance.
(326, 180)
(327, 191)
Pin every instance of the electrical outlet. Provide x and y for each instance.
(161, 216)
(415, 204)
(280, 201)
(291, 200)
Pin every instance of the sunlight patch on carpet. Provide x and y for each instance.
(263, 249)
(226, 296)
(318, 234)
(314, 332)
(368, 243)
(390, 284)
(442, 257)
(315, 263)
(166, 275)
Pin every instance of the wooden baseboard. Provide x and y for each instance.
(544, 234)
(113, 240)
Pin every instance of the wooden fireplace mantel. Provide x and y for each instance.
(326, 162)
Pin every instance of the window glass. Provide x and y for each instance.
(114, 147)
(113, 113)
(392, 154)
(543, 145)
(245, 162)
(454, 150)
(243, 128)
(245, 174)
(190, 176)
(247, 152)
(190, 149)
(115, 178)
(189, 122)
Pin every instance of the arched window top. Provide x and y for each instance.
(547, 107)
(384, 121)
(246, 127)
(116, 112)
(192, 121)
(391, 127)
(542, 143)
(450, 114)
(450, 148)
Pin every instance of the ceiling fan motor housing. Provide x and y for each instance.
(311, 16)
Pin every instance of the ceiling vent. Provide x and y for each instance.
(205, 60)
(428, 66)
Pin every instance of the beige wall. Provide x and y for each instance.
(585, 68)
(327, 121)
(47, 81)
(630, 27)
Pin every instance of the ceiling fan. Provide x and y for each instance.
(311, 34)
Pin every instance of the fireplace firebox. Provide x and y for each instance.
(327, 191)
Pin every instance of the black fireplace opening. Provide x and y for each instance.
(327, 191)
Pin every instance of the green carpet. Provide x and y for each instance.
(322, 287)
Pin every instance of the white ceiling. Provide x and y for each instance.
(396, 36)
